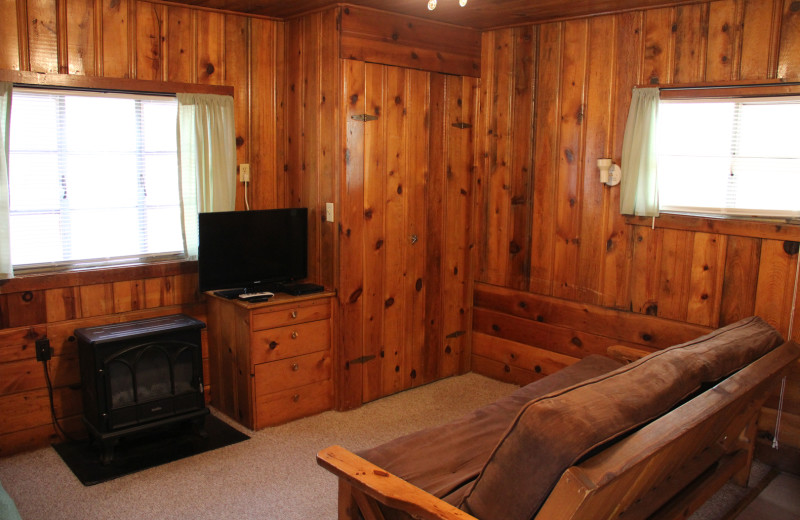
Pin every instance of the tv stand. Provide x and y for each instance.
(270, 362)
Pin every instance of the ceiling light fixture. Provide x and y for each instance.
(432, 4)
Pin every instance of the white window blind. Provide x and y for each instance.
(93, 179)
(729, 157)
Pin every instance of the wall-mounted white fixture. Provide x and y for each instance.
(610, 173)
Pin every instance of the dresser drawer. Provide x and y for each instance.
(285, 406)
(294, 340)
(290, 314)
(292, 372)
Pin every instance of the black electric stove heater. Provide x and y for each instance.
(141, 375)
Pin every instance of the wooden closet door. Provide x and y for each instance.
(406, 230)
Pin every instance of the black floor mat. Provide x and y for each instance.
(145, 450)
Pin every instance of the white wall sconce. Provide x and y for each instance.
(610, 173)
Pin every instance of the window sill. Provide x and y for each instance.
(44, 281)
(774, 230)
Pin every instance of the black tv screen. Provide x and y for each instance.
(252, 249)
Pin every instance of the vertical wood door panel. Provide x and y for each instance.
(406, 228)
(374, 228)
(393, 358)
(351, 284)
(418, 108)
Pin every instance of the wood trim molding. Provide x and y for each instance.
(731, 91)
(38, 282)
(775, 230)
(101, 83)
(720, 84)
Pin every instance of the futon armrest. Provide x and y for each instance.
(625, 354)
(386, 488)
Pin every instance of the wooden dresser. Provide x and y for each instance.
(270, 362)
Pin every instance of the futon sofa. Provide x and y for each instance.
(653, 438)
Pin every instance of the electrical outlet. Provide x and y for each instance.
(244, 173)
(43, 352)
(329, 211)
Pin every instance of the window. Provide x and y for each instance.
(729, 156)
(93, 179)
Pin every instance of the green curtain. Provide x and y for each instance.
(639, 185)
(207, 158)
(6, 269)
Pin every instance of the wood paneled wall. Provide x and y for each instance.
(406, 228)
(310, 142)
(403, 312)
(555, 98)
(135, 40)
(380, 37)
(150, 41)
(54, 308)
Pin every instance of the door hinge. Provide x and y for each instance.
(462, 125)
(364, 117)
(362, 359)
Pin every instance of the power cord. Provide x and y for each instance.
(43, 354)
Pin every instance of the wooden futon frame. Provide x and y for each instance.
(665, 470)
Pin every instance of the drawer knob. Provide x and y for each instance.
(296, 397)
(295, 367)
(273, 345)
(294, 314)
(294, 335)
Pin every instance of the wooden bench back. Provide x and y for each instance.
(672, 465)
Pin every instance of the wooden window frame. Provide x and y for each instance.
(70, 277)
(763, 227)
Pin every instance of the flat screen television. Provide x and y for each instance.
(252, 250)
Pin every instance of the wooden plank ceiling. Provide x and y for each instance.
(478, 14)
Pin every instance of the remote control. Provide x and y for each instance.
(256, 295)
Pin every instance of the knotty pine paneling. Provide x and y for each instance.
(405, 231)
(66, 309)
(134, 40)
(687, 273)
(310, 166)
(381, 37)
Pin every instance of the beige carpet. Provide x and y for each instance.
(273, 475)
